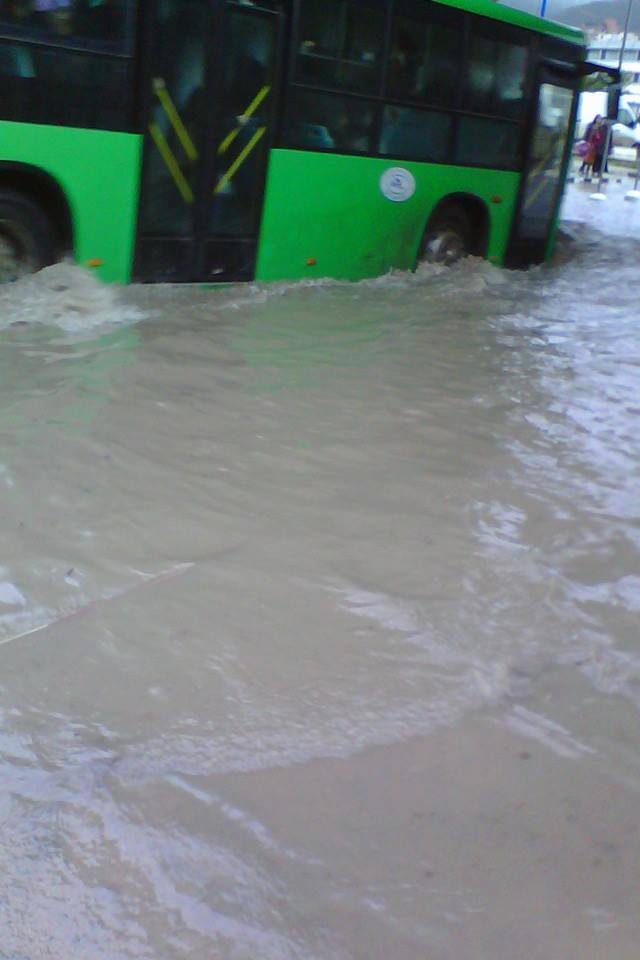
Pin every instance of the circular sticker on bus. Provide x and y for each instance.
(397, 184)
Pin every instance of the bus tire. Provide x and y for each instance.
(27, 236)
(448, 237)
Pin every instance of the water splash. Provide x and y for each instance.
(64, 296)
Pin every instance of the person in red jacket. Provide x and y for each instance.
(596, 137)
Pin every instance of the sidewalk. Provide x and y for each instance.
(614, 215)
(625, 156)
(619, 166)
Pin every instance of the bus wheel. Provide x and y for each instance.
(27, 238)
(448, 237)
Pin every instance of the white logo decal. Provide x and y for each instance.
(397, 184)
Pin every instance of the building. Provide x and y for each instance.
(606, 47)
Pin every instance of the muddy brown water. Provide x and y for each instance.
(319, 614)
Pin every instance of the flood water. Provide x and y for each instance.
(319, 614)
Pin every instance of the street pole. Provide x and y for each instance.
(543, 7)
(624, 35)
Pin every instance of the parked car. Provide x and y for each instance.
(626, 131)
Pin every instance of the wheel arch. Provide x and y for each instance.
(477, 212)
(46, 191)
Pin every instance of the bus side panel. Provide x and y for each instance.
(99, 173)
(325, 214)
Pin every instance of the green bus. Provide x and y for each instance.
(226, 140)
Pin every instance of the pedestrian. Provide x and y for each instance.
(585, 152)
(596, 138)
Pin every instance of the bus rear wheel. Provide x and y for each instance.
(27, 237)
(448, 237)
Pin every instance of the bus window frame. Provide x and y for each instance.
(499, 30)
(126, 48)
(95, 119)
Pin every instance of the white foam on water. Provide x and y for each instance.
(64, 296)
(472, 273)
(552, 735)
(11, 596)
(612, 671)
(253, 294)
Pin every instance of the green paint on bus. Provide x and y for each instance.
(175, 166)
(98, 172)
(326, 216)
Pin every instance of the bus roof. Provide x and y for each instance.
(496, 11)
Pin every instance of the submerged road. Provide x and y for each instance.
(319, 614)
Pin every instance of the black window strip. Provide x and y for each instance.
(420, 105)
(374, 154)
(50, 44)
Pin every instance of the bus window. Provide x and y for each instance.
(340, 44)
(321, 121)
(488, 143)
(511, 68)
(95, 24)
(76, 88)
(100, 21)
(22, 15)
(16, 61)
(424, 57)
(495, 78)
(415, 134)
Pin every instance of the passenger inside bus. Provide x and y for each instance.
(323, 122)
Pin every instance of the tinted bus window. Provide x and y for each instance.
(64, 87)
(321, 121)
(96, 24)
(340, 44)
(488, 143)
(425, 54)
(415, 134)
(495, 81)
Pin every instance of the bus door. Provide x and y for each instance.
(546, 158)
(210, 95)
(245, 92)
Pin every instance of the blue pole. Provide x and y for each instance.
(543, 7)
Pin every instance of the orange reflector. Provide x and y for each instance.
(311, 262)
(496, 199)
(95, 262)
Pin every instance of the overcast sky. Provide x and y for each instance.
(554, 7)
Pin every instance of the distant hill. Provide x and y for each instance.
(595, 13)
(591, 14)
